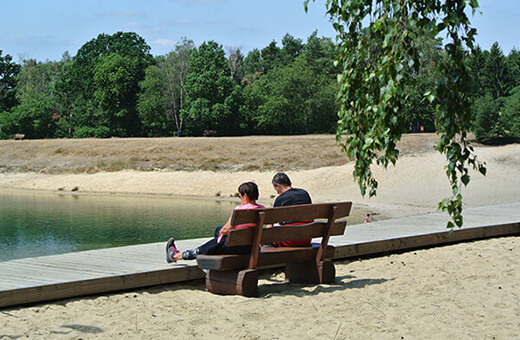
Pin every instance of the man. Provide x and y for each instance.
(287, 195)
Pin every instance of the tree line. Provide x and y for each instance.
(113, 86)
(496, 87)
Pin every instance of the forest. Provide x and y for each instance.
(114, 87)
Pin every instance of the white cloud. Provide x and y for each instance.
(184, 21)
(163, 43)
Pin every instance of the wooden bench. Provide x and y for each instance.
(238, 275)
(210, 133)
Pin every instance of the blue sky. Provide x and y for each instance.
(44, 30)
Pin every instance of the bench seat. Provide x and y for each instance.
(269, 256)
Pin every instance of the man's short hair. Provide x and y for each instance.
(281, 178)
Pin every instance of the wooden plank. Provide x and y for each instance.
(244, 236)
(268, 256)
(33, 279)
(96, 286)
(223, 262)
(83, 266)
(34, 272)
(71, 265)
(333, 214)
(293, 213)
(435, 239)
(256, 242)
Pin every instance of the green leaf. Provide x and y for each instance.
(455, 190)
(382, 63)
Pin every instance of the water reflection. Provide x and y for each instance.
(44, 224)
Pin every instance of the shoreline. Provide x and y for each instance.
(357, 214)
(414, 186)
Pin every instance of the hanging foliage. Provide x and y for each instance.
(379, 59)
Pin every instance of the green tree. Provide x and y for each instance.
(176, 69)
(153, 101)
(271, 57)
(513, 60)
(293, 100)
(252, 67)
(162, 97)
(417, 110)
(115, 93)
(8, 124)
(208, 84)
(510, 118)
(35, 91)
(487, 113)
(291, 48)
(8, 72)
(319, 54)
(37, 77)
(63, 95)
(323, 106)
(476, 64)
(497, 75)
(33, 116)
(94, 99)
(235, 60)
(379, 57)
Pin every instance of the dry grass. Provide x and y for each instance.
(252, 153)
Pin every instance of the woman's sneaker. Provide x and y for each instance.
(171, 250)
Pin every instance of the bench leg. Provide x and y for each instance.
(327, 271)
(309, 272)
(233, 282)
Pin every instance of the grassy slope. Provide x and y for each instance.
(263, 153)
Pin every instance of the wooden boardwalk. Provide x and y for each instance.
(52, 277)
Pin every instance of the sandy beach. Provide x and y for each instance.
(464, 291)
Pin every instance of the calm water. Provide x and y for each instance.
(44, 224)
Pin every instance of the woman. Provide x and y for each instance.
(248, 194)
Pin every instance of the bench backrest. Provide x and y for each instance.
(296, 213)
(245, 236)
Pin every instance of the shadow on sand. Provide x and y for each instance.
(277, 286)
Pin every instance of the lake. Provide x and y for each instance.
(36, 224)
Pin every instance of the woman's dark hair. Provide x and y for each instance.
(281, 178)
(249, 188)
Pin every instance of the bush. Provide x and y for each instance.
(8, 125)
(510, 118)
(88, 132)
(487, 128)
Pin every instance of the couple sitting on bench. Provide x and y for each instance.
(248, 194)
